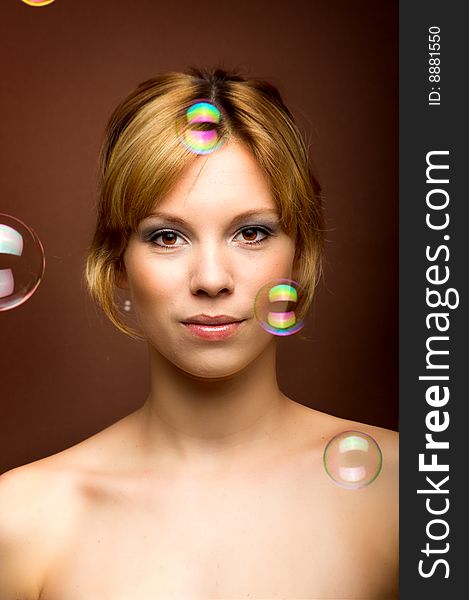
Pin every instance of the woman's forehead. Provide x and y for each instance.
(228, 177)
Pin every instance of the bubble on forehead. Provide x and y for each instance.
(276, 306)
(352, 459)
(21, 262)
(199, 127)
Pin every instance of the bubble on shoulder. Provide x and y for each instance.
(344, 435)
(387, 439)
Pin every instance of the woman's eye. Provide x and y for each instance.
(252, 235)
(167, 239)
(170, 239)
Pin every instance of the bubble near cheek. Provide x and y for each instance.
(199, 127)
(275, 307)
(21, 262)
(352, 459)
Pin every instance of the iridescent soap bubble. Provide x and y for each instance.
(38, 2)
(352, 459)
(199, 127)
(21, 262)
(276, 307)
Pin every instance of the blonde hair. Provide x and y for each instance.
(142, 158)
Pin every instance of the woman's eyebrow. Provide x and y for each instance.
(256, 212)
(239, 217)
(166, 217)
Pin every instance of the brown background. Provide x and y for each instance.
(65, 372)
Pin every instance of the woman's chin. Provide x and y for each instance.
(214, 363)
(212, 372)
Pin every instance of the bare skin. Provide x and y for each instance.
(215, 487)
(93, 522)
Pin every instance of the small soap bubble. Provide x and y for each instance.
(199, 127)
(352, 459)
(276, 307)
(21, 262)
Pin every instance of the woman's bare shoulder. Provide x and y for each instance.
(321, 427)
(94, 454)
(33, 503)
(381, 496)
(39, 504)
(370, 512)
(42, 501)
(32, 493)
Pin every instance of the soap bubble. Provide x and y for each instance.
(21, 262)
(199, 127)
(38, 2)
(352, 459)
(275, 306)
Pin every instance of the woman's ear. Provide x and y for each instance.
(296, 267)
(121, 275)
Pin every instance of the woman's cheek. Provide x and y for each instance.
(156, 280)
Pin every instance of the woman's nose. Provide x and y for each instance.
(211, 271)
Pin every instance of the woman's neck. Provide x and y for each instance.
(203, 423)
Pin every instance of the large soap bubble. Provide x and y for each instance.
(21, 262)
(352, 459)
(199, 127)
(276, 307)
(38, 2)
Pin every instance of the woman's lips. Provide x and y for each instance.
(219, 331)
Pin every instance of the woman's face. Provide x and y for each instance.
(195, 265)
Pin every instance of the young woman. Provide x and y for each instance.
(215, 487)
